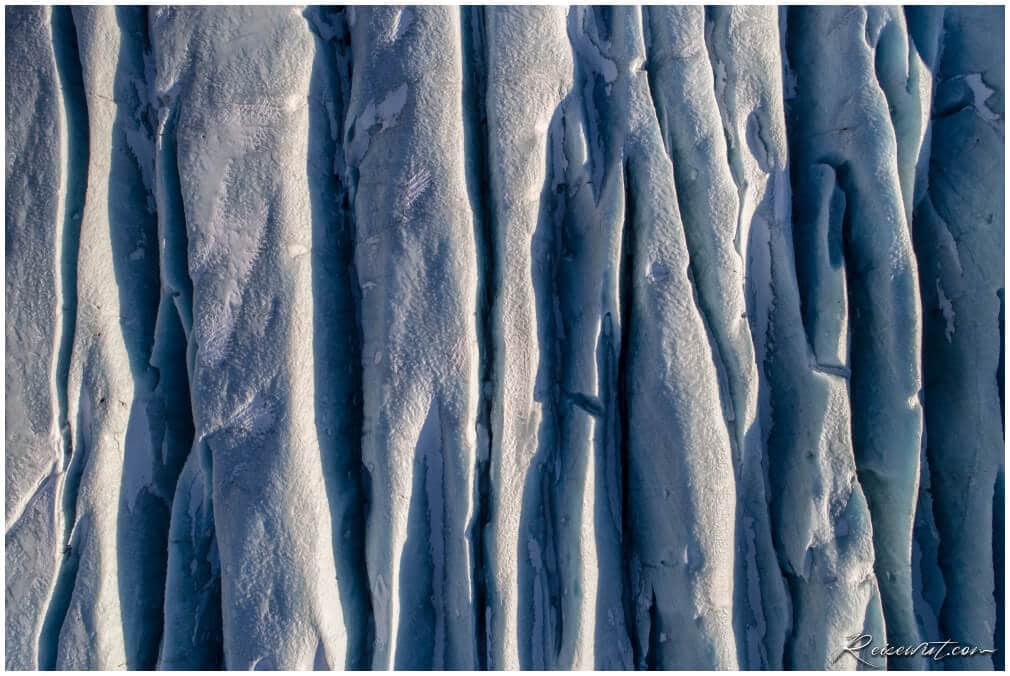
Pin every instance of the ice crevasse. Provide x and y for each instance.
(502, 337)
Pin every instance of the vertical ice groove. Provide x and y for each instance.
(849, 127)
(256, 472)
(626, 280)
(336, 326)
(912, 110)
(723, 170)
(820, 520)
(672, 377)
(820, 523)
(118, 413)
(959, 243)
(75, 149)
(592, 627)
(43, 194)
(528, 71)
(415, 257)
(151, 470)
(192, 620)
(473, 29)
(74, 144)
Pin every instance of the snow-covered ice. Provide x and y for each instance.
(503, 337)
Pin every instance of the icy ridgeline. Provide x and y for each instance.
(502, 337)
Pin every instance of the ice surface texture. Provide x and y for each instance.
(502, 337)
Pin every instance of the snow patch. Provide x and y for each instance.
(981, 93)
(402, 21)
(374, 119)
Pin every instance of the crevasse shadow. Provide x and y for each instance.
(159, 431)
(418, 632)
(539, 590)
(336, 329)
(580, 431)
(68, 68)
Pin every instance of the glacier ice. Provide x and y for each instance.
(503, 337)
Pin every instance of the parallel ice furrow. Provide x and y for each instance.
(417, 272)
(683, 549)
(820, 520)
(723, 197)
(474, 57)
(529, 75)
(41, 220)
(192, 633)
(336, 335)
(846, 125)
(117, 418)
(910, 99)
(256, 443)
(959, 239)
(586, 254)
(73, 187)
(747, 41)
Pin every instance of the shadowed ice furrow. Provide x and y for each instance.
(150, 469)
(416, 261)
(192, 631)
(688, 555)
(682, 539)
(820, 520)
(474, 54)
(581, 477)
(44, 195)
(959, 240)
(723, 186)
(74, 187)
(747, 41)
(911, 102)
(336, 333)
(127, 474)
(250, 376)
(846, 125)
(525, 87)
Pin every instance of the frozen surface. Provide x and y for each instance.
(502, 337)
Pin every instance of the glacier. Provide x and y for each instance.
(503, 337)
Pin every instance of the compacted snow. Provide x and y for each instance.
(490, 337)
